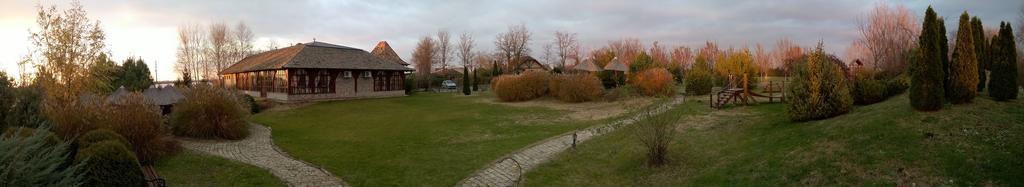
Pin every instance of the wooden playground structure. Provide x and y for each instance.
(738, 92)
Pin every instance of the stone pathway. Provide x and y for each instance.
(258, 149)
(506, 171)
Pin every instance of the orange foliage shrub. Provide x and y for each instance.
(526, 86)
(654, 82)
(576, 88)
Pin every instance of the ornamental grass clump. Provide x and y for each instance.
(526, 86)
(576, 88)
(210, 112)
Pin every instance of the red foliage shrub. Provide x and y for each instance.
(654, 82)
(526, 86)
(576, 88)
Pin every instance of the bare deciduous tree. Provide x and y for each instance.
(887, 33)
(788, 53)
(190, 56)
(244, 39)
(762, 59)
(513, 44)
(568, 47)
(626, 49)
(682, 56)
(218, 51)
(659, 54)
(423, 57)
(466, 53)
(444, 49)
(709, 51)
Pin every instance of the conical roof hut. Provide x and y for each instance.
(616, 65)
(384, 51)
(587, 65)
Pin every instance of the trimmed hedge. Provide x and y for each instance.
(210, 112)
(576, 88)
(526, 86)
(109, 163)
(867, 91)
(819, 88)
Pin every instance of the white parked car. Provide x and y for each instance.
(448, 84)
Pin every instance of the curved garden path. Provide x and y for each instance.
(258, 149)
(507, 170)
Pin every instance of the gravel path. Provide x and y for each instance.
(258, 149)
(506, 171)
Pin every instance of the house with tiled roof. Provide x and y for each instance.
(316, 71)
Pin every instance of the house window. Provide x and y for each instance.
(347, 74)
(367, 74)
(311, 81)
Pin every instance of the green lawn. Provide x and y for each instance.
(196, 169)
(420, 140)
(887, 143)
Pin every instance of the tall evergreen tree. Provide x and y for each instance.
(1003, 85)
(944, 56)
(466, 82)
(927, 74)
(963, 69)
(135, 75)
(980, 51)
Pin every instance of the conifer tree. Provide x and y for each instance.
(465, 80)
(1004, 65)
(944, 56)
(927, 74)
(963, 69)
(980, 52)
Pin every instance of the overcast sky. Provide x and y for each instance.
(147, 28)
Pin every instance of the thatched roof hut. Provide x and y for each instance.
(616, 65)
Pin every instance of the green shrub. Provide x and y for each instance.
(526, 86)
(576, 88)
(699, 82)
(410, 84)
(250, 102)
(654, 82)
(209, 112)
(819, 88)
(140, 122)
(34, 160)
(897, 85)
(927, 90)
(109, 163)
(24, 132)
(868, 91)
(25, 110)
(618, 93)
(100, 135)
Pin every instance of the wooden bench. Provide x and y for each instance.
(152, 178)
